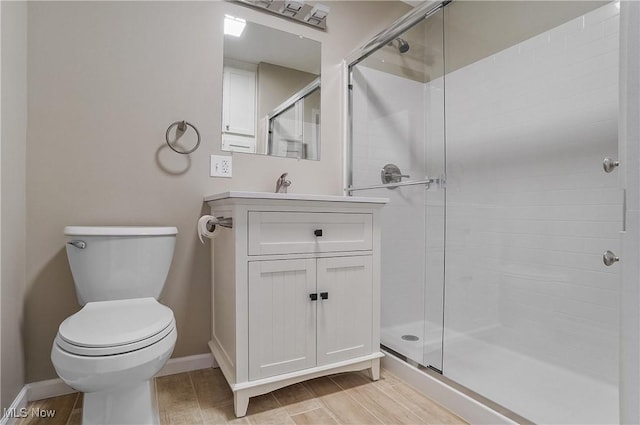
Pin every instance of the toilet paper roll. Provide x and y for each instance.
(203, 227)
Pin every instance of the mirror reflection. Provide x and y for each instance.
(271, 91)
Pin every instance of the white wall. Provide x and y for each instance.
(13, 187)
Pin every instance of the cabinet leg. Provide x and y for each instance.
(240, 403)
(374, 371)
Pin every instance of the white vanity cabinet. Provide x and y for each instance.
(307, 312)
(296, 289)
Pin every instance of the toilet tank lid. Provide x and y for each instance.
(119, 231)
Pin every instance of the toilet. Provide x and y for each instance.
(111, 349)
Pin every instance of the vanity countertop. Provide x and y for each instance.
(295, 197)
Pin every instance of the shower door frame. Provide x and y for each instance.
(419, 13)
(414, 17)
(629, 152)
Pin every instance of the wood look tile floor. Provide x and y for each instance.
(203, 397)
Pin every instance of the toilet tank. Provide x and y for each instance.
(114, 263)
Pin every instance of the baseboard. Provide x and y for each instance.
(56, 387)
(12, 414)
(187, 363)
(47, 389)
(452, 399)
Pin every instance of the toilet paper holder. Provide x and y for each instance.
(220, 221)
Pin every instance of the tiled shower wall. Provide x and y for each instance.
(529, 209)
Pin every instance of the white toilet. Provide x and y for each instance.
(111, 349)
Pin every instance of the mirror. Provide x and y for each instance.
(271, 92)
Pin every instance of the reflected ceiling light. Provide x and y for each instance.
(317, 14)
(234, 26)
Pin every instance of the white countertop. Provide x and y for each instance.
(295, 197)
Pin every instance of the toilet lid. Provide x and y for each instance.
(115, 323)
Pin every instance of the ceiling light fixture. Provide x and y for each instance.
(306, 12)
(291, 7)
(317, 14)
(263, 3)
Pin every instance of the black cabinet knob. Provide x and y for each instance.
(314, 297)
(324, 295)
(317, 232)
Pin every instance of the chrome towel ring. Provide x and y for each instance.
(182, 127)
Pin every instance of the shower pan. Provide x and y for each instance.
(493, 242)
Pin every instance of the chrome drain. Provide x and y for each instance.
(410, 338)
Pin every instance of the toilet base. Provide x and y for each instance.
(131, 405)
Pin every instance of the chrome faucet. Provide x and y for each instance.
(282, 184)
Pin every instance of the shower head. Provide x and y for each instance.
(403, 46)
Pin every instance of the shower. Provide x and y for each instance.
(402, 44)
(491, 270)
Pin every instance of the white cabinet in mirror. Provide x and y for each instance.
(271, 93)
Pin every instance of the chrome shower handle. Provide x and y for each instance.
(391, 173)
(78, 244)
(397, 175)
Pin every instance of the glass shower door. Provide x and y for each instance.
(397, 152)
(531, 310)
(526, 314)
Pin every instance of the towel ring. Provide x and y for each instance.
(182, 127)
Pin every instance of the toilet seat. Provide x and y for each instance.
(114, 327)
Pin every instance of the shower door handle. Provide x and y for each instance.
(609, 164)
(608, 258)
(427, 183)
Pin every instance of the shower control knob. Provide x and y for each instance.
(609, 164)
(608, 258)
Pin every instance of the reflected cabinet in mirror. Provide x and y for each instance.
(271, 92)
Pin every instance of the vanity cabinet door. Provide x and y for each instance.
(282, 317)
(344, 319)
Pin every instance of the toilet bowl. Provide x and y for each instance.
(111, 349)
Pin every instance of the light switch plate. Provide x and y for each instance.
(221, 166)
